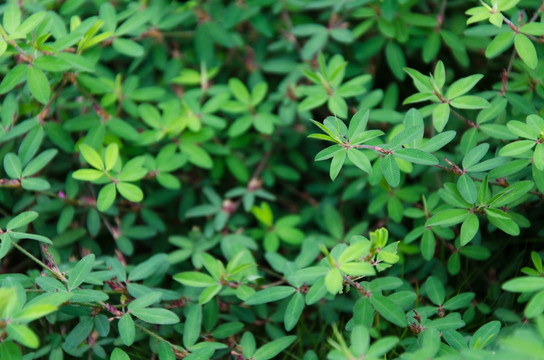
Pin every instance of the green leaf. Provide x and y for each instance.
(526, 50)
(155, 315)
(239, 90)
(147, 268)
(13, 166)
(467, 188)
(484, 335)
(13, 78)
(389, 310)
(195, 279)
(469, 229)
(360, 160)
(193, 321)
(12, 17)
(23, 335)
(91, 156)
(79, 333)
(118, 354)
(39, 162)
(435, 290)
(269, 295)
(355, 251)
(337, 163)
(475, 155)
(462, 86)
(127, 331)
(381, 346)
(517, 148)
(524, 284)
(416, 156)
(33, 311)
(38, 84)
(358, 268)
(293, 311)
(35, 184)
(390, 170)
(448, 217)
(128, 47)
(395, 59)
(30, 23)
(441, 115)
(460, 301)
(469, 102)
(358, 123)
(87, 174)
(535, 306)
(503, 221)
(273, 348)
(21, 220)
(112, 154)
(334, 281)
(10, 351)
(130, 191)
(80, 272)
(106, 197)
(538, 157)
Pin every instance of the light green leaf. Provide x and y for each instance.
(80, 272)
(526, 50)
(524, 284)
(130, 191)
(106, 197)
(23, 335)
(334, 281)
(91, 156)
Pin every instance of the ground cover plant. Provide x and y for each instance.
(294, 179)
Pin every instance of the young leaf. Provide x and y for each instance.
(106, 197)
(91, 156)
(130, 191)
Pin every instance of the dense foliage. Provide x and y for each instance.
(159, 196)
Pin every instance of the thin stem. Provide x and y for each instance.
(38, 261)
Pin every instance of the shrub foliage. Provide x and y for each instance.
(160, 199)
